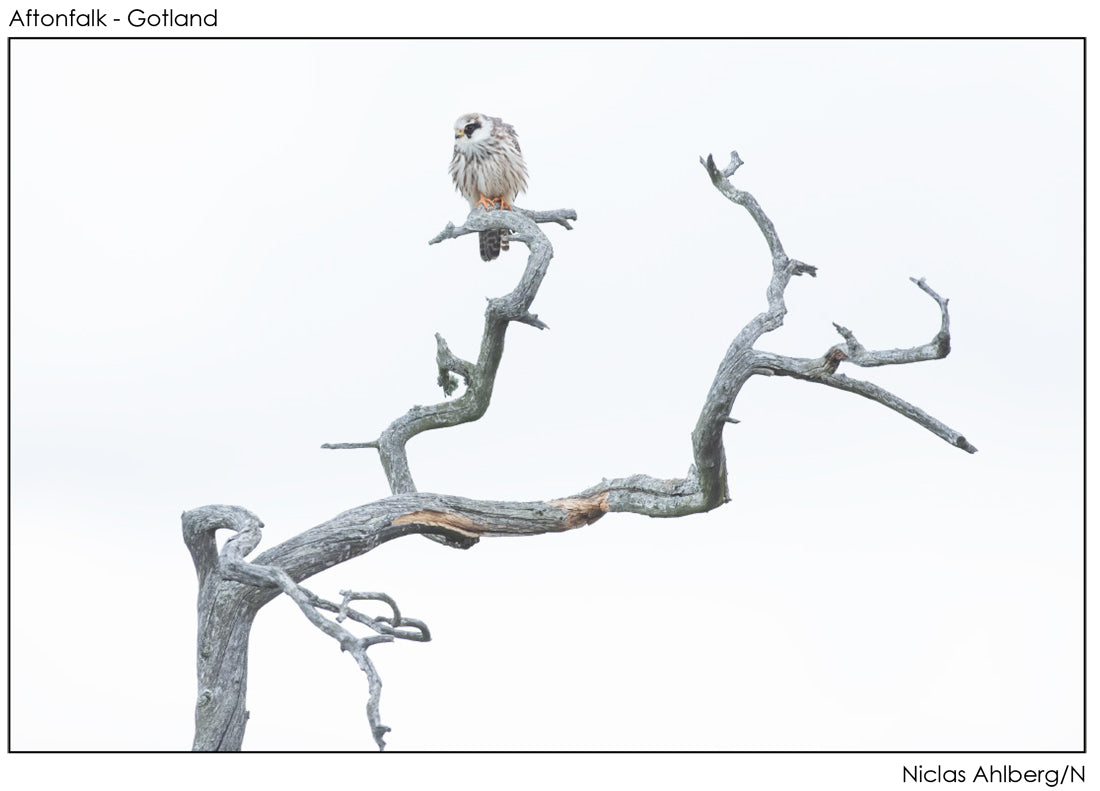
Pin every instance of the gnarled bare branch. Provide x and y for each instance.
(480, 377)
(935, 349)
(232, 589)
(823, 370)
(816, 371)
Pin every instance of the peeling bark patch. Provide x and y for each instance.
(582, 511)
(450, 521)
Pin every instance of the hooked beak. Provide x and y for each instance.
(460, 133)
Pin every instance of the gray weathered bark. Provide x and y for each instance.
(232, 589)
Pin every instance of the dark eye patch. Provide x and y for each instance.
(471, 127)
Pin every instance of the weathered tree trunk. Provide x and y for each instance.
(226, 613)
(220, 713)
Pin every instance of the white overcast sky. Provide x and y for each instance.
(220, 262)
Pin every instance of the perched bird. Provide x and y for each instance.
(487, 169)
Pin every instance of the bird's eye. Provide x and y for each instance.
(471, 127)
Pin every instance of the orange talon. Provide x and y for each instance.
(491, 203)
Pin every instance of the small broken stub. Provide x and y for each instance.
(581, 511)
(833, 358)
(451, 521)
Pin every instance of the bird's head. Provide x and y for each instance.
(471, 129)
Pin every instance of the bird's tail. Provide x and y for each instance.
(490, 244)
